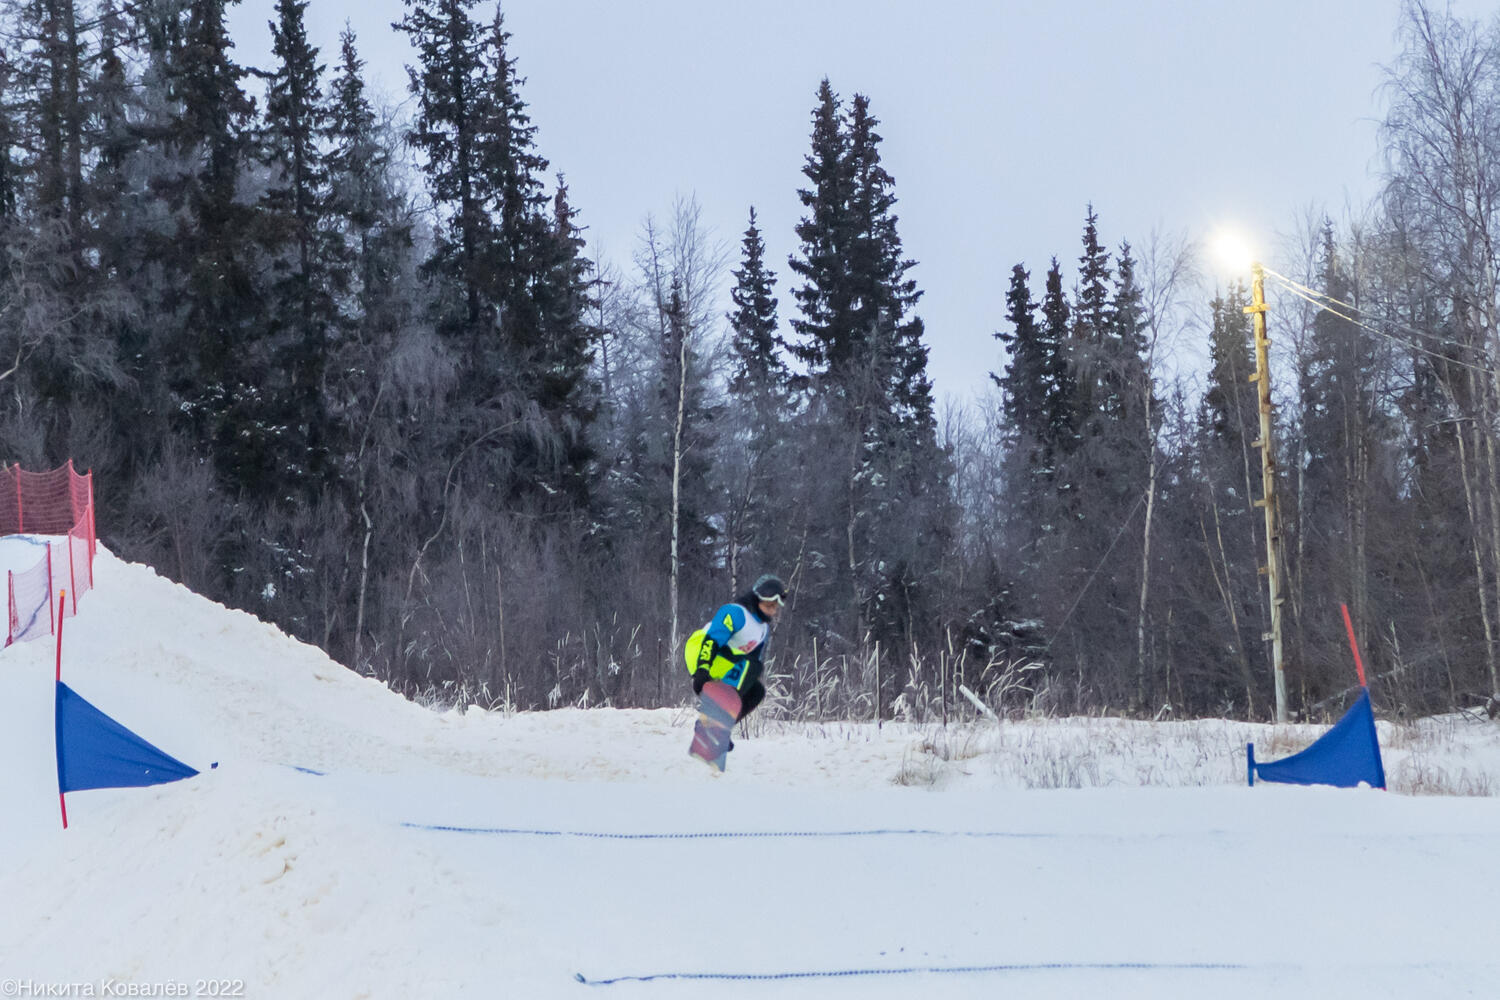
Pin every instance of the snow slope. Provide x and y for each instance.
(351, 844)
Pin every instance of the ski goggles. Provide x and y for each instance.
(777, 599)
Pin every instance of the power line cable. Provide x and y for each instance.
(1323, 302)
(1057, 634)
(1296, 287)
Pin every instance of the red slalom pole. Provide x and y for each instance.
(62, 605)
(1353, 646)
(62, 798)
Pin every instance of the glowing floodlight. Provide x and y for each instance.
(1233, 252)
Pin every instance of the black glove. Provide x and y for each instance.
(700, 678)
(706, 653)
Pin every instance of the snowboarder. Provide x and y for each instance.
(731, 646)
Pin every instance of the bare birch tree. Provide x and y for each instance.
(1168, 268)
(1443, 149)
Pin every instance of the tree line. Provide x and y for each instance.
(358, 374)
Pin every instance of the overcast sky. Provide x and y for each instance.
(1001, 121)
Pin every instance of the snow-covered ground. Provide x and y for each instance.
(439, 854)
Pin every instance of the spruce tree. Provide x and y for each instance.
(759, 381)
(866, 367)
(450, 87)
(45, 57)
(885, 296)
(112, 104)
(1030, 389)
(381, 415)
(1038, 384)
(513, 297)
(211, 292)
(1040, 436)
(544, 278)
(301, 308)
(1124, 379)
(1062, 417)
(364, 203)
(10, 135)
(759, 372)
(823, 298)
(127, 232)
(1229, 403)
(1091, 323)
(1022, 344)
(564, 351)
(1335, 383)
(1104, 478)
(1225, 487)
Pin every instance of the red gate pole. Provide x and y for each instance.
(51, 605)
(62, 603)
(91, 527)
(1358, 663)
(72, 582)
(62, 797)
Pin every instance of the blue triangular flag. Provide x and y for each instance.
(1346, 755)
(95, 751)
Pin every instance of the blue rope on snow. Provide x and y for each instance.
(497, 831)
(36, 613)
(928, 970)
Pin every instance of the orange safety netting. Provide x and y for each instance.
(55, 512)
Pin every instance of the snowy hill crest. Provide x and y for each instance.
(460, 854)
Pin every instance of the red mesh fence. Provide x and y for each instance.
(53, 511)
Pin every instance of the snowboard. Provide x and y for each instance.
(718, 707)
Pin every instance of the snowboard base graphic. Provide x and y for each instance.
(718, 707)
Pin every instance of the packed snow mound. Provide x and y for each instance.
(213, 682)
(353, 844)
(209, 684)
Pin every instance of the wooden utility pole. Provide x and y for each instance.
(1272, 568)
